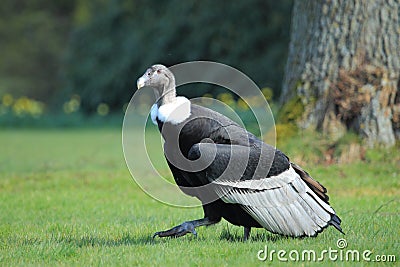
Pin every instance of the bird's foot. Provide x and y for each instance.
(178, 231)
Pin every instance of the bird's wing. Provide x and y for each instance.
(317, 188)
(282, 203)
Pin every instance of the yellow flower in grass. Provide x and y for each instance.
(25, 106)
(268, 93)
(67, 108)
(7, 100)
(227, 98)
(36, 108)
(103, 109)
(241, 104)
(20, 106)
(72, 105)
(75, 102)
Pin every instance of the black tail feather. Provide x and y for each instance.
(335, 221)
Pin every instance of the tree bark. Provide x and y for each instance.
(344, 66)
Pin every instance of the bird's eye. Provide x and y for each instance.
(149, 73)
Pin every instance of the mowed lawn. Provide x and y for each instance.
(67, 198)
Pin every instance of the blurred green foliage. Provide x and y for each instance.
(33, 35)
(52, 50)
(291, 111)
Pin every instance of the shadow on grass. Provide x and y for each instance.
(125, 240)
(148, 240)
(237, 236)
(128, 239)
(89, 240)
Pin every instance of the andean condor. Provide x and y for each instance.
(234, 174)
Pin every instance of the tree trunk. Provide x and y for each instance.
(344, 65)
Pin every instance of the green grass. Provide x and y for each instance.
(67, 198)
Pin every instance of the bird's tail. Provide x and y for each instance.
(335, 222)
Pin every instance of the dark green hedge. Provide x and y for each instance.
(120, 39)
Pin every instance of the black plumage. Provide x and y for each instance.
(233, 173)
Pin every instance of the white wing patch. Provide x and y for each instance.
(283, 204)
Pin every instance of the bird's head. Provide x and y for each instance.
(168, 107)
(160, 78)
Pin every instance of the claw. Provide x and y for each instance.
(178, 231)
(156, 234)
(186, 227)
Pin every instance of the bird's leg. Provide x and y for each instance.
(246, 233)
(185, 228)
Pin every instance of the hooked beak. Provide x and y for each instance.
(141, 82)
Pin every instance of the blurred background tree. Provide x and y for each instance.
(343, 69)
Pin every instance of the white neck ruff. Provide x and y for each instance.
(174, 113)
